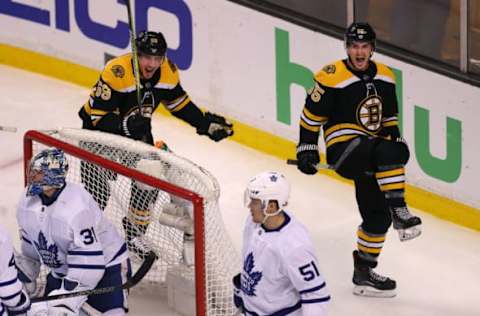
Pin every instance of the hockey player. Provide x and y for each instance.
(62, 227)
(14, 299)
(280, 270)
(112, 108)
(355, 103)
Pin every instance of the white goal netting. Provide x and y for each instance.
(157, 217)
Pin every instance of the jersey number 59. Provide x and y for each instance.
(309, 271)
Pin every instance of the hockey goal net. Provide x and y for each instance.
(158, 201)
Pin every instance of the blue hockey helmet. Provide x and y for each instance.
(52, 165)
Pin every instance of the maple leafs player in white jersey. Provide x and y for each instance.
(14, 299)
(280, 271)
(62, 227)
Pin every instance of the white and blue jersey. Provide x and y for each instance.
(10, 285)
(280, 273)
(70, 234)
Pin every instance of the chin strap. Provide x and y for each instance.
(267, 215)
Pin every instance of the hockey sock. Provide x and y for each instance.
(368, 244)
(391, 181)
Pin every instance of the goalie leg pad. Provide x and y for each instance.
(28, 270)
(114, 276)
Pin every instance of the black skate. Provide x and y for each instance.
(407, 225)
(368, 282)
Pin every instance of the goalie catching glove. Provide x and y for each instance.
(216, 127)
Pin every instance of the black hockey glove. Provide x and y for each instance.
(307, 158)
(136, 126)
(237, 292)
(216, 127)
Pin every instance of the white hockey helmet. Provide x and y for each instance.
(268, 186)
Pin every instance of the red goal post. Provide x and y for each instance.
(206, 273)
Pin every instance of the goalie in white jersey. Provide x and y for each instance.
(62, 227)
(14, 299)
(280, 271)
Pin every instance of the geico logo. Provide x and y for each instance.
(117, 36)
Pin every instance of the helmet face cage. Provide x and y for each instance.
(53, 166)
(360, 32)
(151, 43)
(268, 186)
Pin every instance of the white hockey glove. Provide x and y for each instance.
(22, 306)
(28, 270)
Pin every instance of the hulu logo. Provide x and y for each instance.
(446, 168)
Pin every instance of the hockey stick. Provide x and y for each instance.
(10, 129)
(134, 280)
(136, 70)
(351, 146)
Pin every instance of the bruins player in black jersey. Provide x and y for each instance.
(113, 108)
(354, 102)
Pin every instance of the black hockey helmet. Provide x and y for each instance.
(360, 32)
(151, 43)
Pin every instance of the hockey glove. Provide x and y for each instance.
(22, 306)
(136, 126)
(237, 292)
(66, 306)
(216, 127)
(308, 158)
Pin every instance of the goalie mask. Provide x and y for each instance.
(47, 170)
(268, 186)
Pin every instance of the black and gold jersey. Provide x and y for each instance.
(347, 103)
(114, 97)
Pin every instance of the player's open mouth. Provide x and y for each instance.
(360, 60)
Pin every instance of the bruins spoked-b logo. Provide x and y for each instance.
(118, 71)
(369, 113)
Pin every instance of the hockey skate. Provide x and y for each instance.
(406, 224)
(368, 282)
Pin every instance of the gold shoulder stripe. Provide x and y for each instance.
(334, 75)
(385, 72)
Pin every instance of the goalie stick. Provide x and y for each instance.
(351, 146)
(134, 280)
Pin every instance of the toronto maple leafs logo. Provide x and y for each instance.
(49, 253)
(273, 178)
(250, 278)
